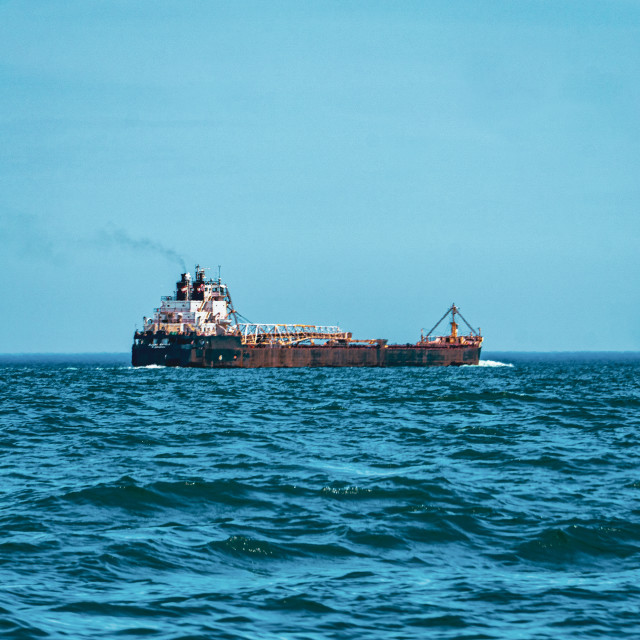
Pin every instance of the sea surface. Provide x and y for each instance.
(496, 501)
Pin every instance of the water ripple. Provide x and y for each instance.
(478, 502)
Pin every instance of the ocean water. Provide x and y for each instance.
(497, 501)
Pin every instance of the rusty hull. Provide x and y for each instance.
(229, 352)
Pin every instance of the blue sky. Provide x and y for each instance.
(366, 163)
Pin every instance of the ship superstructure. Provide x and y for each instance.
(199, 327)
(201, 305)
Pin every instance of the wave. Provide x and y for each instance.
(492, 363)
(320, 502)
(127, 495)
(581, 543)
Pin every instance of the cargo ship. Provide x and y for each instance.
(198, 326)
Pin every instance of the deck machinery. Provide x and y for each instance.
(199, 327)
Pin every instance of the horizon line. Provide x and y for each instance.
(121, 353)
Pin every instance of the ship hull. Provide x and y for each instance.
(224, 352)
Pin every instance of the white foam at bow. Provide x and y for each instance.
(493, 363)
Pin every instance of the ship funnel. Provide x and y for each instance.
(198, 284)
(183, 287)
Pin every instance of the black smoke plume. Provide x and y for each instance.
(118, 237)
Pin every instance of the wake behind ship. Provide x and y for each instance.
(199, 327)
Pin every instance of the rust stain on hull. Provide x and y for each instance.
(228, 352)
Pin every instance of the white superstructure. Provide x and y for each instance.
(202, 306)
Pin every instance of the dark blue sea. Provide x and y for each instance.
(497, 501)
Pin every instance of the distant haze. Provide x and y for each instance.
(361, 163)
